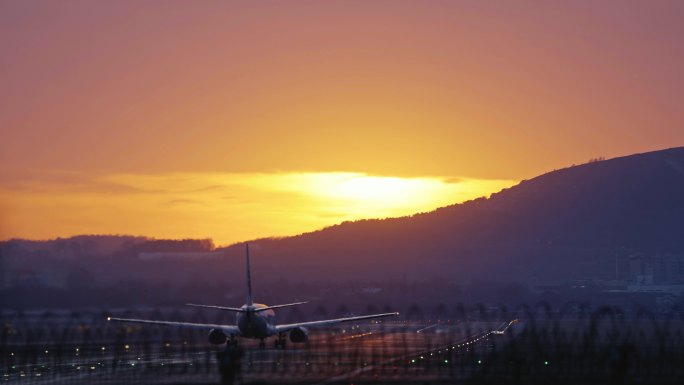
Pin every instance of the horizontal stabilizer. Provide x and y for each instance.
(279, 306)
(235, 309)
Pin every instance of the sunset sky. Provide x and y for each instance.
(238, 120)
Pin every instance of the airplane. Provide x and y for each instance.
(254, 320)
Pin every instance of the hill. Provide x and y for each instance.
(570, 223)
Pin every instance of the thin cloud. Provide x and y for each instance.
(228, 206)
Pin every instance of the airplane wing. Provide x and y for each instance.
(228, 329)
(287, 327)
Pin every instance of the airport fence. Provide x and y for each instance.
(470, 344)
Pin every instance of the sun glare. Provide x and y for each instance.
(376, 188)
(380, 191)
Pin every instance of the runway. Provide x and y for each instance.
(367, 352)
(602, 347)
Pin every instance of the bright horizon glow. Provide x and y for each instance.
(228, 207)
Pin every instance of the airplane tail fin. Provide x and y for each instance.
(250, 302)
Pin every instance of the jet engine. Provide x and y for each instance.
(217, 337)
(299, 334)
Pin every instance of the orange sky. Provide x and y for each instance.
(101, 98)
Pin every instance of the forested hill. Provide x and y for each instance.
(567, 223)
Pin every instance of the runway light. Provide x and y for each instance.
(446, 361)
(546, 362)
(103, 348)
(479, 362)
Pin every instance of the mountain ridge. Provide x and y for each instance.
(564, 223)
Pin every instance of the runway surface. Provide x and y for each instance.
(391, 351)
(602, 347)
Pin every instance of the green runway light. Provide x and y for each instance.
(479, 361)
(546, 362)
(446, 361)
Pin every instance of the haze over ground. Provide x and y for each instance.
(243, 120)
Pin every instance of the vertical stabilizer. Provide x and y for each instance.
(249, 279)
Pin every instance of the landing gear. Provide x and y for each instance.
(280, 342)
(232, 342)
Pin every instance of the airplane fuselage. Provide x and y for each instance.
(260, 324)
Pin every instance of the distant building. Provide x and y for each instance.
(197, 255)
(675, 289)
(656, 269)
(34, 278)
(371, 290)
